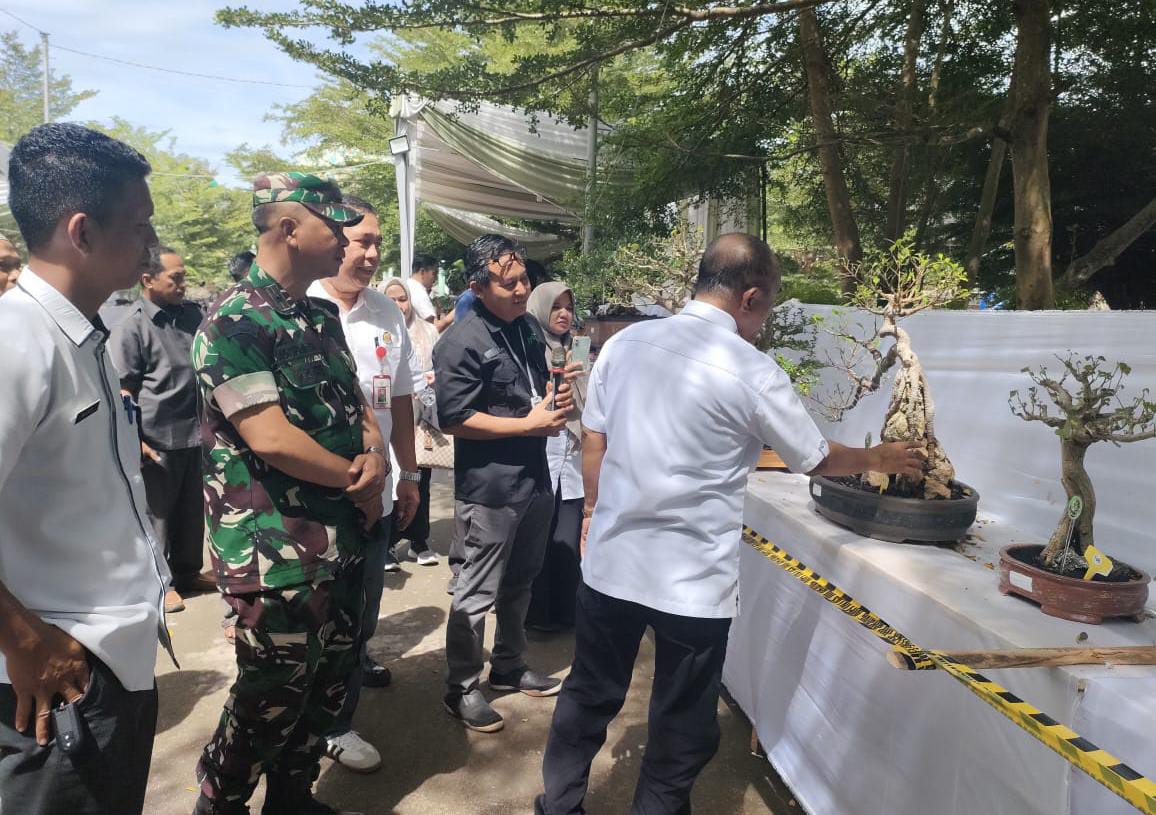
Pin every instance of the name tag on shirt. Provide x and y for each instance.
(88, 411)
(382, 391)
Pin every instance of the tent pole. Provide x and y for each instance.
(591, 167)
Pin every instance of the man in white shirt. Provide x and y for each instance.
(81, 588)
(376, 334)
(420, 285)
(676, 414)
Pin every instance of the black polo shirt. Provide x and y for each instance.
(481, 367)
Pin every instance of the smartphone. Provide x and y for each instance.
(580, 350)
(69, 727)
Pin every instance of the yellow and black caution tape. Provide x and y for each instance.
(1114, 774)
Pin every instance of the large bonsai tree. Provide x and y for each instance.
(894, 284)
(1089, 409)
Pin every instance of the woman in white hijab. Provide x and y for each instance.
(423, 335)
(554, 591)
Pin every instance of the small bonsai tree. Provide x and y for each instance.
(894, 284)
(1089, 409)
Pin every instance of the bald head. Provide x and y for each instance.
(734, 263)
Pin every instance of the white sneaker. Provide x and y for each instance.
(427, 558)
(353, 752)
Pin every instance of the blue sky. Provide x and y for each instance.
(206, 117)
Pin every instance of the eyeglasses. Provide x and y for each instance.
(507, 260)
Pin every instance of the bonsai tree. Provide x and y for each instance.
(1088, 409)
(894, 284)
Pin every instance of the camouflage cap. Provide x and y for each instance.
(321, 195)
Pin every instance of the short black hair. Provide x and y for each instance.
(359, 204)
(736, 262)
(60, 169)
(166, 250)
(483, 250)
(239, 265)
(155, 267)
(424, 262)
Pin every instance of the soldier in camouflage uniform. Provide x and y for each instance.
(293, 474)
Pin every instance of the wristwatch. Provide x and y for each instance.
(404, 476)
(377, 450)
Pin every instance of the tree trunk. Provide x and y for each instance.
(982, 228)
(1107, 249)
(846, 230)
(931, 189)
(1031, 99)
(904, 106)
(1076, 481)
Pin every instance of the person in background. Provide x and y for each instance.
(554, 591)
(239, 265)
(422, 335)
(420, 287)
(9, 264)
(676, 413)
(83, 580)
(295, 469)
(494, 398)
(375, 332)
(151, 349)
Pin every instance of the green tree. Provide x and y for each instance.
(21, 89)
(204, 221)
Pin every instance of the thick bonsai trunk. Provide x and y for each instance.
(843, 225)
(1031, 101)
(1076, 482)
(911, 417)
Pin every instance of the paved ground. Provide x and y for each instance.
(433, 765)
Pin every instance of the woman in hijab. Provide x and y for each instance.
(554, 591)
(423, 335)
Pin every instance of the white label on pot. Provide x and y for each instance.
(1021, 581)
(816, 490)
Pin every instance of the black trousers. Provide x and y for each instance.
(555, 588)
(417, 533)
(683, 724)
(109, 774)
(174, 489)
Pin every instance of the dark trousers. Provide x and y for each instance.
(503, 549)
(176, 504)
(555, 588)
(109, 774)
(683, 731)
(417, 533)
(296, 649)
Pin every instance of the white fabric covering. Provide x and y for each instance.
(852, 735)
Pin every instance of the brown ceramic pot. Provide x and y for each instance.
(1082, 601)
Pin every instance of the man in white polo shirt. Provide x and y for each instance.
(676, 414)
(81, 578)
(376, 335)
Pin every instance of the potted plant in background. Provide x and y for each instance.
(893, 285)
(1070, 577)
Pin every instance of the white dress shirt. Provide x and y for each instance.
(419, 299)
(376, 321)
(686, 405)
(75, 548)
(564, 457)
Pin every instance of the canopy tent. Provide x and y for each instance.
(469, 168)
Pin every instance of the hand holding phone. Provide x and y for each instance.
(580, 350)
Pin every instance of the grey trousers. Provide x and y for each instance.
(503, 548)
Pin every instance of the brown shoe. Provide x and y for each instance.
(173, 602)
(199, 584)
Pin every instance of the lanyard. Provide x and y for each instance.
(525, 361)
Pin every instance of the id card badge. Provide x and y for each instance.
(382, 391)
(535, 400)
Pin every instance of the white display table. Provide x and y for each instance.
(853, 736)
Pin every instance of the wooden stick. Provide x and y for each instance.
(1038, 657)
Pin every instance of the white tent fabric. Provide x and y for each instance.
(465, 226)
(495, 162)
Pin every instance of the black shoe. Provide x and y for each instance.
(376, 676)
(525, 681)
(474, 711)
(308, 805)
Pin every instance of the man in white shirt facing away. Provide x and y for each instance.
(420, 286)
(82, 580)
(676, 414)
(377, 338)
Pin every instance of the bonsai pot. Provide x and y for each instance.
(1082, 601)
(602, 328)
(892, 518)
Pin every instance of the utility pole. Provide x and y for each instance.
(591, 168)
(44, 48)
